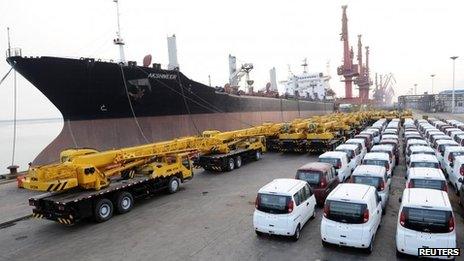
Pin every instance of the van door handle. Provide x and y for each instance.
(307, 203)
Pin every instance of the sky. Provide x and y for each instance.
(411, 39)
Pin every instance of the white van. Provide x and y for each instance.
(441, 145)
(426, 178)
(375, 133)
(422, 161)
(353, 152)
(457, 173)
(339, 160)
(386, 148)
(352, 215)
(425, 220)
(448, 158)
(361, 142)
(378, 159)
(374, 176)
(283, 207)
(418, 150)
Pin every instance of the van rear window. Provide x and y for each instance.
(424, 152)
(428, 183)
(274, 204)
(334, 161)
(375, 162)
(312, 177)
(371, 181)
(424, 164)
(345, 212)
(426, 220)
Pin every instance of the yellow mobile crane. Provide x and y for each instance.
(326, 136)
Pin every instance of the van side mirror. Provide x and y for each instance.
(399, 200)
(460, 180)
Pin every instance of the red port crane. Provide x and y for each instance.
(363, 80)
(348, 70)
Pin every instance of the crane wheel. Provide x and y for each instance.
(124, 202)
(103, 210)
(230, 164)
(173, 185)
(238, 162)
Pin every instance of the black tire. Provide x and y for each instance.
(173, 185)
(259, 234)
(124, 202)
(238, 162)
(103, 210)
(399, 254)
(257, 155)
(325, 244)
(230, 164)
(370, 248)
(297, 233)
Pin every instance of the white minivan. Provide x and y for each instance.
(361, 142)
(457, 173)
(378, 159)
(352, 215)
(353, 152)
(339, 160)
(425, 220)
(374, 176)
(448, 158)
(283, 207)
(426, 178)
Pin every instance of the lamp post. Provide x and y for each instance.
(415, 89)
(432, 76)
(454, 63)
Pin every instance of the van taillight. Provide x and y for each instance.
(402, 218)
(323, 182)
(410, 184)
(339, 165)
(257, 202)
(382, 186)
(444, 187)
(450, 158)
(366, 215)
(326, 209)
(461, 170)
(387, 166)
(451, 224)
(290, 206)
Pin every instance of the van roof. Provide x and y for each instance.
(415, 148)
(316, 166)
(426, 173)
(347, 146)
(382, 147)
(426, 198)
(370, 170)
(423, 157)
(350, 192)
(355, 140)
(333, 154)
(440, 142)
(286, 187)
(376, 155)
(454, 148)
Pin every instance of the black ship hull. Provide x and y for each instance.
(106, 105)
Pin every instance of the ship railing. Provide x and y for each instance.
(12, 52)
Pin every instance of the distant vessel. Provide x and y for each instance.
(108, 104)
(308, 85)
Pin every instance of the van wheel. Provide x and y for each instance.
(173, 185)
(370, 248)
(230, 164)
(238, 162)
(399, 254)
(103, 210)
(324, 244)
(124, 202)
(297, 234)
(259, 234)
(314, 214)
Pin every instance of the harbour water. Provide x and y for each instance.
(31, 137)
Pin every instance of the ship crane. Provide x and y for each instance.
(384, 91)
(363, 80)
(236, 75)
(348, 70)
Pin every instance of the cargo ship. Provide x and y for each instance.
(108, 104)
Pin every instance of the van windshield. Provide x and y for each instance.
(274, 204)
(426, 220)
(334, 161)
(371, 181)
(345, 212)
(424, 164)
(310, 176)
(428, 183)
(375, 162)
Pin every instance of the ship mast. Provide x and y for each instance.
(119, 41)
